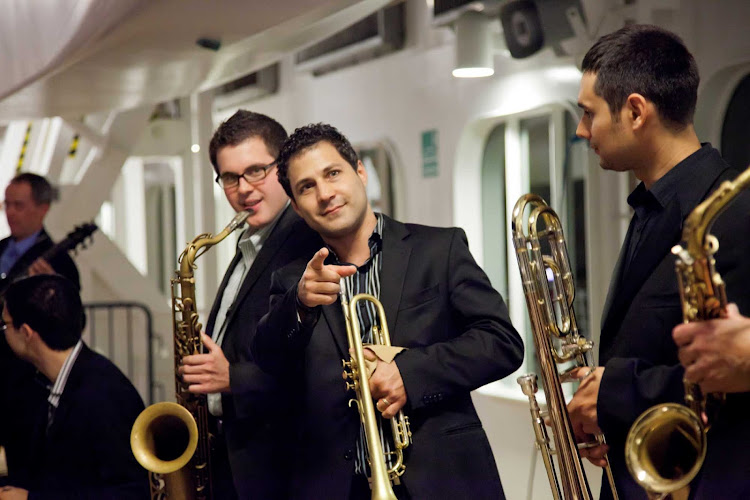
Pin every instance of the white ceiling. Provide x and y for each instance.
(119, 54)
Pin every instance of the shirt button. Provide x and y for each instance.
(349, 454)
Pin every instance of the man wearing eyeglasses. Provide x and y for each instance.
(248, 408)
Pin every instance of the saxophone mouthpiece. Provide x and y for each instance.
(238, 220)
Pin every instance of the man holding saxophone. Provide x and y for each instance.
(439, 306)
(249, 437)
(638, 95)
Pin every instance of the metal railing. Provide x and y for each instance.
(123, 332)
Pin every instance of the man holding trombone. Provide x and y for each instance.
(638, 94)
(439, 306)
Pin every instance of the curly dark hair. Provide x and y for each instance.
(307, 137)
(242, 126)
(51, 305)
(650, 61)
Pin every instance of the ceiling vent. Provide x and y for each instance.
(376, 35)
(263, 82)
(446, 12)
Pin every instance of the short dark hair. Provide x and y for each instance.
(50, 305)
(243, 125)
(305, 138)
(42, 191)
(650, 61)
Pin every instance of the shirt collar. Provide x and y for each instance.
(62, 378)
(375, 242)
(253, 238)
(677, 182)
(23, 245)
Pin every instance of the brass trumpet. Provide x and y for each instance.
(357, 380)
(549, 289)
(666, 446)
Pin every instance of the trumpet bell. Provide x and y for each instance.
(164, 437)
(665, 448)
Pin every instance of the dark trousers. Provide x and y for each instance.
(221, 479)
(361, 490)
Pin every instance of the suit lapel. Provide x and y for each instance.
(217, 302)
(270, 248)
(334, 316)
(656, 243)
(396, 253)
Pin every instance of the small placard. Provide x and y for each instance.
(430, 153)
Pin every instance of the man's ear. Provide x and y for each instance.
(27, 332)
(362, 172)
(637, 110)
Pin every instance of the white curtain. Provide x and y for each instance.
(38, 37)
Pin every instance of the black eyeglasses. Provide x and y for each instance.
(230, 180)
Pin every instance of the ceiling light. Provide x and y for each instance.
(473, 46)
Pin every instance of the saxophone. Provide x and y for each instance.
(172, 440)
(666, 446)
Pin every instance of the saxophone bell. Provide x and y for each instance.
(164, 437)
(665, 449)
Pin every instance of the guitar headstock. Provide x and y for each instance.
(78, 236)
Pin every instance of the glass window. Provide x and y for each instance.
(734, 144)
(494, 229)
(377, 162)
(536, 153)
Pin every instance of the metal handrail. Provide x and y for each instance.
(95, 336)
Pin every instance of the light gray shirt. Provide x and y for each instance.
(249, 245)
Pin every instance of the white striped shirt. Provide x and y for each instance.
(58, 387)
(367, 280)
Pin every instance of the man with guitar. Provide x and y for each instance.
(27, 201)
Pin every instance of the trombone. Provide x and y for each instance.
(549, 289)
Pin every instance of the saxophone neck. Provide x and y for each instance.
(698, 224)
(204, 241)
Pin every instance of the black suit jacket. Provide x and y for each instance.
(13, 371)
(61, 263)
(636, 346)
(254, 411)
(85, 454)
(440, 305)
